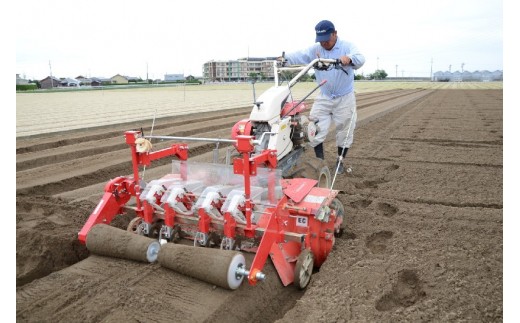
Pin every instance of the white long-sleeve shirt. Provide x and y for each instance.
(338, 82)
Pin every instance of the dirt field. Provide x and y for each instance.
(424, 211)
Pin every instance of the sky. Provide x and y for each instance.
(150, 39)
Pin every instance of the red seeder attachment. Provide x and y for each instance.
(243, 207)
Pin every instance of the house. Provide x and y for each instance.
(20, 80)
(119, 79)
(68, 82)
(133, 79)
(50, 82)
(173, 77)
(123, 79)
(99, 81)
(84, 80)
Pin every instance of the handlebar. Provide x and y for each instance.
(321, 64)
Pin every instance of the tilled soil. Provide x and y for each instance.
(423, 243)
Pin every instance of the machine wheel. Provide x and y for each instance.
(133, 226)
(303, 269)
(155, 230)
(316, 168)
(338, 207)
(176, 234)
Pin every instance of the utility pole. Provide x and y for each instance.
(431, 70)
(147, 72)
(396, 70)
(50, 71)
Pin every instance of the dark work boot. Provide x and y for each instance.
(340, 168)
(318, 150)
(341, 152)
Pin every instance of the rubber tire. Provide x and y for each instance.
(314, 168)
(303, 269)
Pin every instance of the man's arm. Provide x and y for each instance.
(302, 57)
(356, 58)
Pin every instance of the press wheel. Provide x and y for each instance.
(340, 224)
(155, 229)
(303, 269)
(133, 226)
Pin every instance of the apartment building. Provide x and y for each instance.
(240, 70)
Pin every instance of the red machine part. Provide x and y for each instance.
(241, 128)
(117, 193)
(290, 105)
(300, 223)
(297, 220)
(119, 190)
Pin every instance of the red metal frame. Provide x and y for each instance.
(293, 213)
(119, 190)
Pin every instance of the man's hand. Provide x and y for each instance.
(345, 60)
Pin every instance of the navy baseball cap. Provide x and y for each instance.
(323, 30)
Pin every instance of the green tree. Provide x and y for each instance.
(378, 75)
(359, 77)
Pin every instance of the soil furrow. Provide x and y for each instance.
(423, 205)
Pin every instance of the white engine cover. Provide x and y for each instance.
(281, 140)
(270, 104)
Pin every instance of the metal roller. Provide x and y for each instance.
(218, 267)
(109, 241)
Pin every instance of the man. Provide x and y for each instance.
(336, 101)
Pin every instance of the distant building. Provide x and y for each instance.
(119, 79)
(20, 80)
(99, 81)
(123, 79)
(466, 76)
(174, 77)
(68, 82)
(50, 82)
(84, 81)
(239, 70)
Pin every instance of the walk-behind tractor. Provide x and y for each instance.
(223, 210)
